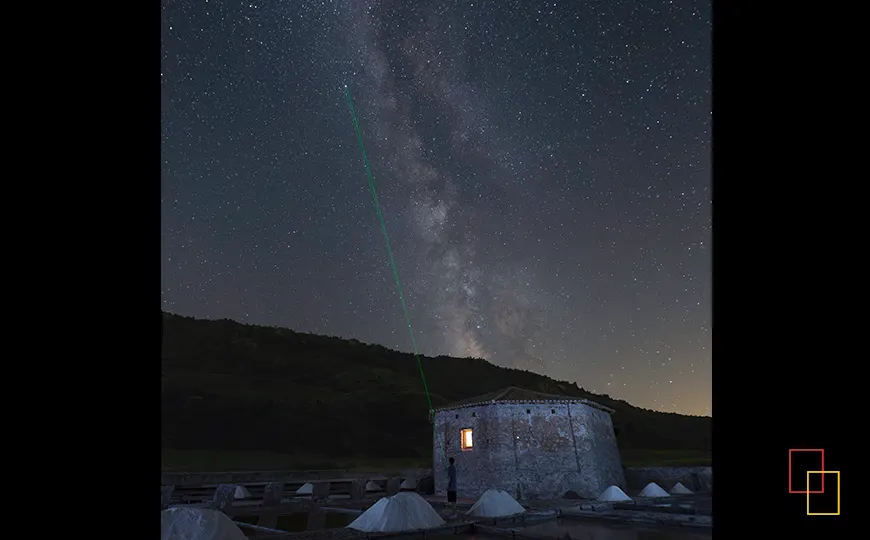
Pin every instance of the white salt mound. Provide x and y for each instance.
(406, 511)
(653, 490)
(306, 489)
(496, 503)
(371, 485)
(680, 489)
(613, 494)
(197, 524)
(408, 483)
(241, 493)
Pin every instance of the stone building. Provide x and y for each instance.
(530, 444)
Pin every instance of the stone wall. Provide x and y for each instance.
(182, 479)
(698, 479)
(531, 450)
(240, 477)
(484, 462)
(416, 474)
(597, 451)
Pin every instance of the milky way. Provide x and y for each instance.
(409, 77)
(543, 170)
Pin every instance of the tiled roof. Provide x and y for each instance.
(514, 394)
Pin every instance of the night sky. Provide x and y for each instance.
(543, 169)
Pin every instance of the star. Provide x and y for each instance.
(543, 175)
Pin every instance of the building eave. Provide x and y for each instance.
(579, 401)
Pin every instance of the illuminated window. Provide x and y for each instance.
(465, 439)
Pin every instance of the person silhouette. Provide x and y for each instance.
(451, 486)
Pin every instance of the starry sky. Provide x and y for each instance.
(543, 168)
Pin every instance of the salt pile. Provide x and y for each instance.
(371, 486)
(496, 503)
(613, 494)
(197, 524)
(409, 484)
(241, 492)
(653, 490)
(306, 489)
(680, 489)
(406, 511)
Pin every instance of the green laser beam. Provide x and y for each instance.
(386, 239)
(371, 179)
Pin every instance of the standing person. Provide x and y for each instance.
(451, 486)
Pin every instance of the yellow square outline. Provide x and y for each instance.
(837, 513)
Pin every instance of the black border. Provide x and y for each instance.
(88, 182)
(782, 349)
(782, 118)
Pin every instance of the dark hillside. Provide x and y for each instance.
(234, 387)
